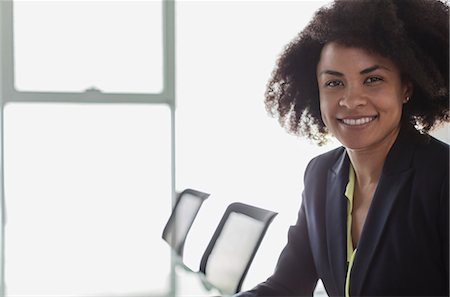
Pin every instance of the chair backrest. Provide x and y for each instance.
(183, 214)
(233, 246)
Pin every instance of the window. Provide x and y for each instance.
(87, 187)
(88, 51)
(87, 192)
(71, 46)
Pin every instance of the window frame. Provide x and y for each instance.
(8, 94)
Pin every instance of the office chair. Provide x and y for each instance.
(183, 214)
(233, 246)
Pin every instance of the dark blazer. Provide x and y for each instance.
(403, 249)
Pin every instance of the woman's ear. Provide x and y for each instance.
(407, 90)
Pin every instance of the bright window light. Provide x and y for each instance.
(72, 46)
(88, 192)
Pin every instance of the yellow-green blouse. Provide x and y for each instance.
(349, 190)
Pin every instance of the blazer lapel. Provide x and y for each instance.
(383, 201)
(336, 219)
(395, 174)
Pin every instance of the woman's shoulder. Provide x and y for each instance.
(434, 145)
(326, 161)
(425, 143)
(432, 154)
(428, 147)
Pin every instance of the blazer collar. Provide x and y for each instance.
(395, 173)
(400, 155)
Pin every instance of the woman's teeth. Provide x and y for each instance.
(360, 121)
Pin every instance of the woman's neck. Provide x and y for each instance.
(368, 163)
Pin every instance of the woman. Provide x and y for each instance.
(374, 213)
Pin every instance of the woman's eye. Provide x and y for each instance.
(373, 79)
(333, 83)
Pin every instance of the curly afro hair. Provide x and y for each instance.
(412, 33)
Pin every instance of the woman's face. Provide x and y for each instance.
(361, 96)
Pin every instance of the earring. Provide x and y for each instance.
(406, 99)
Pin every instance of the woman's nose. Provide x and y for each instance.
(353, 97)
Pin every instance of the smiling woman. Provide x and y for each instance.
(373, 209)
(361, 102)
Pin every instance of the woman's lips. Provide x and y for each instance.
(357, 121)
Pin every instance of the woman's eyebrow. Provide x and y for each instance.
(373, 68)
(364, 71)
(331, 72)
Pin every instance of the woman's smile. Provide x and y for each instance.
(358, 121)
